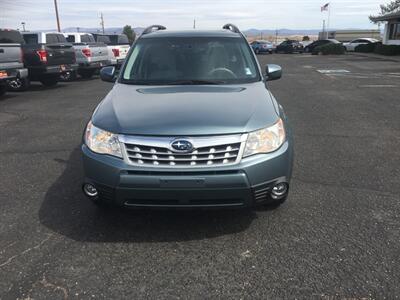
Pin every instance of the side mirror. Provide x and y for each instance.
(272, 72)
(108, 74)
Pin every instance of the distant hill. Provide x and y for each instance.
(253, 32)
(283, 31)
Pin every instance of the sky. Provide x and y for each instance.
(179, 14)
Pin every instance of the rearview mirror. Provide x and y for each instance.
(108, 74)
(272, 72)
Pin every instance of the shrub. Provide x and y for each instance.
(366, 48)
(329, 49)
(387, 49)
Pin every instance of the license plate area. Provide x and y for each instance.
(182, 183)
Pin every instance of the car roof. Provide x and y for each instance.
(81, 33)
(191, 33)
(40, 32)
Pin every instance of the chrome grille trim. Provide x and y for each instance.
(209, 151)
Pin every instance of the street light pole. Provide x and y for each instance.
(23, 26)
(57, 17)
(102, 22)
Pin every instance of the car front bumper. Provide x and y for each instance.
(241, 185)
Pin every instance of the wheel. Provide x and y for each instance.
(3, 89)
(19, 84)
(257, 51)
(307, 50)
(86, 73)
(68, 76)
(49, 81)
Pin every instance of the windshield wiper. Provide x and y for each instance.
(194, 82)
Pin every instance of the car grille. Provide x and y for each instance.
(158, 153)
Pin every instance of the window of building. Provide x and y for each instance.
(394, 31)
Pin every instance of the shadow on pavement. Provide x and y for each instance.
(68, 212)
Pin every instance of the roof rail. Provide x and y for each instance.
(152, 28)
(232, 28)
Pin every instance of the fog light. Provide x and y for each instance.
(280, 190)
(90, 190)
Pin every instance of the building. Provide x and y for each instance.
(349, 35)
(391, 34)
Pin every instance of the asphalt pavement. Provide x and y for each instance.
(338, 235)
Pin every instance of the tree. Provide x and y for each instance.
(393, 6)
(128, 31)
(306, 38)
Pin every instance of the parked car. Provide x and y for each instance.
(11, 65)
(289, 46)
(188, 123)
(351, 46)
(313, 45)
(90, 55)
(263, 47)
(118, 47)
(47, 55)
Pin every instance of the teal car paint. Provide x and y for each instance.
(189, 123)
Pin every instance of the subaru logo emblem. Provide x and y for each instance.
(182, 146)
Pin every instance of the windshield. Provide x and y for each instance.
(201, 60)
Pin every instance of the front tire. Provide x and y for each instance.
(19, 84)
(49, 81)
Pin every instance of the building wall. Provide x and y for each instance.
(349, 35)
(386, 40)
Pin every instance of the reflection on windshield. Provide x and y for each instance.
(190, 61)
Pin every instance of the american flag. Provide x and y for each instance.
(325, 7)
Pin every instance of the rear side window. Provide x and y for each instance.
(31, 38)
(123, 39)
(11, 37)
(103, 39)
(71, 38)
(86, 38)
(53, 38)
(114, 39)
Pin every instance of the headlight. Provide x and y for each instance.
(265, 140)
(101, 141)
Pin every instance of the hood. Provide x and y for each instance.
(185, 110)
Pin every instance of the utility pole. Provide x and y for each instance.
(102, 22)
(276, 37)
(194, 23)
(57, 17)
(23, 26)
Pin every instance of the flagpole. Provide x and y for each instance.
(329, 20)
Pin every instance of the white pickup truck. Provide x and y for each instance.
(11, 64)
(118, 47)
(90, 55)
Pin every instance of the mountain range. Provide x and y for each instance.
(249, 32)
